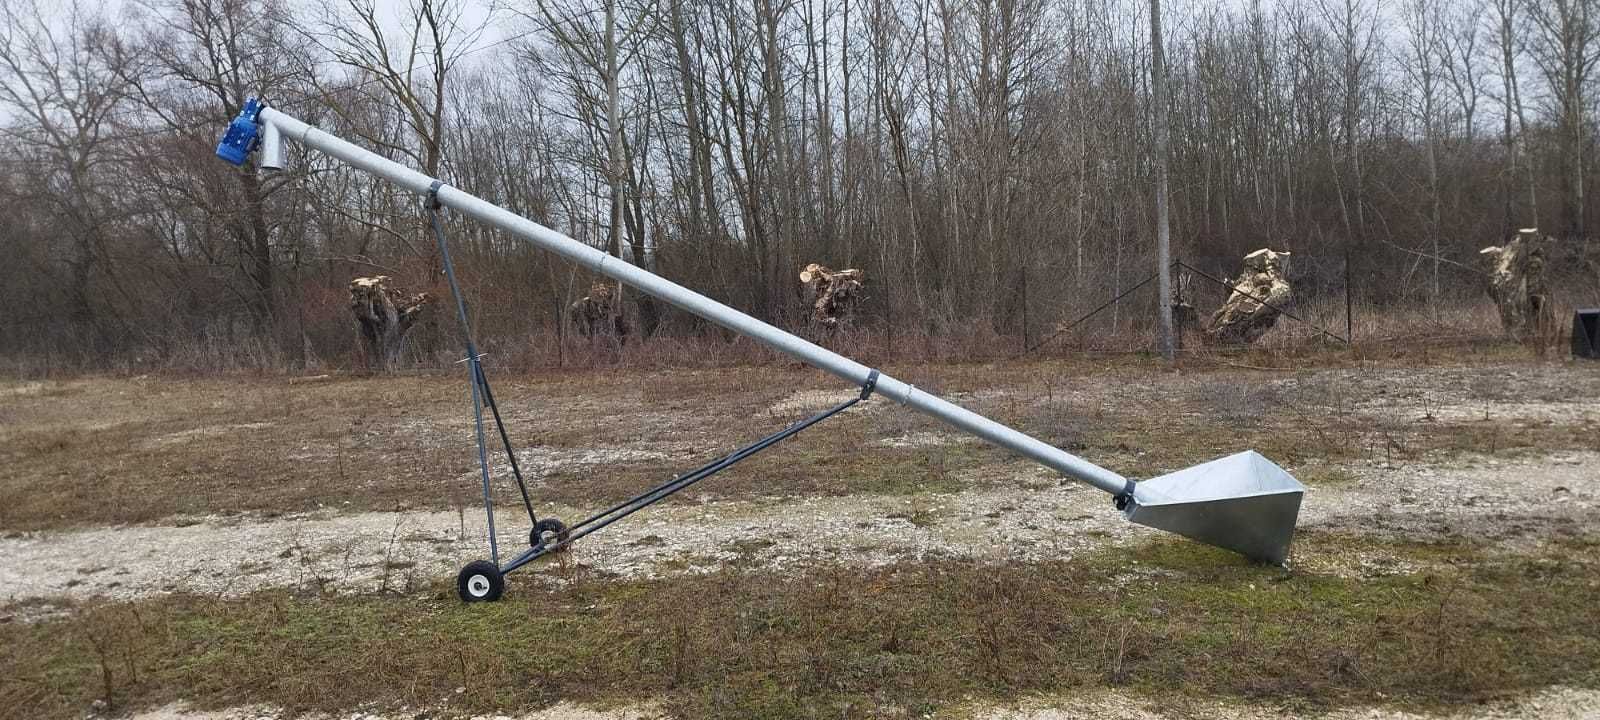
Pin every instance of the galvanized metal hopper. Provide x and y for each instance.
(1243, 502)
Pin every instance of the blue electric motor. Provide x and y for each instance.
(240, 139)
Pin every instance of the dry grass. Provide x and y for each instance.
(1172, 618)
(106, 450)
(1175, 618)
(1450, 327)
(112, 450)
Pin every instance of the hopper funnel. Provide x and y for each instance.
(1242, 502)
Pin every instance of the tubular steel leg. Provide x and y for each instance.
(666, 489)
(476, 369)
(505, 440)
(483, 459)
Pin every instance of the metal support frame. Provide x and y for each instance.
(481, 393)
(596, 522)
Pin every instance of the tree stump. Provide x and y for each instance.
(1244, 318)
(1517, 285)
(384, 314)
(597, 314)
(833, 295)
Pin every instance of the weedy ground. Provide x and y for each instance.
(1454, 617)
(99, 451)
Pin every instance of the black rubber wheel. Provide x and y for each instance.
(546, 531)
(480, 581)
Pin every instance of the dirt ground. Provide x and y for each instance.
(129, 489)
(1556, 703)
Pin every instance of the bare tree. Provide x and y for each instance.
(56, 77)
(1565, 54)
(1353, 25)
(1461, 56)
(195, 62)
(410, 68)
(1515, 130)
(973, 157)
(588, 49)
(1422, 65)
(1158, 100)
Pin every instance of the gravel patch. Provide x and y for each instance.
(200, 433)
(538, 461)
(811, 401)
(925, 440)
(367, 552)
(559, 711)
(24, 389)
(1502, 499)
(1552, 703)
(1517, 504)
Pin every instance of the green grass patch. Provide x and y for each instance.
(1174, 617)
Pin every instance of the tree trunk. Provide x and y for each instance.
(1158, 88)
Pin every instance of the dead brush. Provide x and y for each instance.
(1012, 625)
(1236, 400)
(680, 653)
(1321, 403)
(1114, 648)
(389, 564)
(121, 638)
(1448, 327)
(1449, 655)
(1055, 417)
(1424, 326)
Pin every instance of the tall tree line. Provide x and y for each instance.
(984, 161)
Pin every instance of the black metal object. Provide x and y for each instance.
(1586, 333)
(488, 396)
(547, 526)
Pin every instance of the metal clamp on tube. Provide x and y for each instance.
(870, 384)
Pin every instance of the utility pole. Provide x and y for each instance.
(1158, 91)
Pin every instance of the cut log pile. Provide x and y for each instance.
(833, 295)
(384, 315)
(1517, 284)
(1252, 308)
